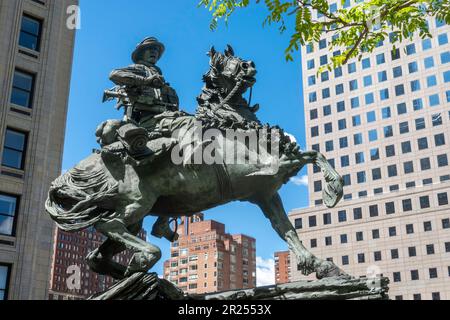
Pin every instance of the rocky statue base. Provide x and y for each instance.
(143, 286)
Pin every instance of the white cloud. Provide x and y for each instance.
(300, 181)
(265, 272)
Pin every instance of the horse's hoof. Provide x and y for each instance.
(307, 266)
(328, 269)
(333, 193)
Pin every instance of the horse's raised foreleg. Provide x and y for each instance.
(307, 263)
(101, 259)
(333, 191)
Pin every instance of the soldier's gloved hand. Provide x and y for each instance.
(156, 81)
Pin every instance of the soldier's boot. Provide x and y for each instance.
(161, 229)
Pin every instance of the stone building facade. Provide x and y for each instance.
(35, 70)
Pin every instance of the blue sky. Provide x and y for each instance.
(110, 29)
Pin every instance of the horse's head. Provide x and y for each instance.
(227, 71)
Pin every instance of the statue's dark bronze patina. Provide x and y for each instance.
(134, 176)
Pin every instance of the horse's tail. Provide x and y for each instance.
(79, 198)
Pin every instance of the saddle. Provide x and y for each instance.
(132, 144)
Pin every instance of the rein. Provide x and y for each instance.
(230, 95)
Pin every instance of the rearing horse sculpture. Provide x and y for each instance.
(115, 196)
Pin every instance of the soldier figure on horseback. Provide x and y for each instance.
(142, 90)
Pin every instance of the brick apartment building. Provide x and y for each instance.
(282, 267)
(206, 259)
(70, 249)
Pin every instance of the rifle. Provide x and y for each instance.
(122, 97)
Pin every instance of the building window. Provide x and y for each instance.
(357, 139)
(374, 154)
(5, 271)
(436, 119)
(345, 260)
(392, 231)
(445, 223)
(394, 254)
(417, 296)
(415, 85)
(430, 249)
(406, 147)
(313, 243)
(397, 277)
(390, 207)
(424, 202)
(359, 236)
(436, 296)
(408, 167)
(318, 186)
(439, 140)
(361, 258)
(431, 81)
(365, 63)
(373, 210)
(392, 171)
(30, 33)
(445, 57)
(442, 160)
(425, 164)
(380, 58)
(342, 216)
(447, 247)
(345, 161)
(427, 181)
(298, 223)
(413, 67)
(422, 143)
(312, 221)
(368, 82)
(23, 87)
(344, 239)
(417, 104)
(433, 273)
(357, 213)
(14, 149)
(354, 102)
(390, 151)
(412, 252)
(409, 229)
(427, 226)
(414, 275)
(8, 212)
(328, 241)
(443, 199)
(388, 131)
(327, 218)
(407, 205)
(376, 234)
(404, 127)
(376, 174)
(361, 177)
(377, 256)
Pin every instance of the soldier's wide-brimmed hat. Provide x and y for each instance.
(147, 43)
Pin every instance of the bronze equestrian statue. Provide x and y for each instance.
(134, 175)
